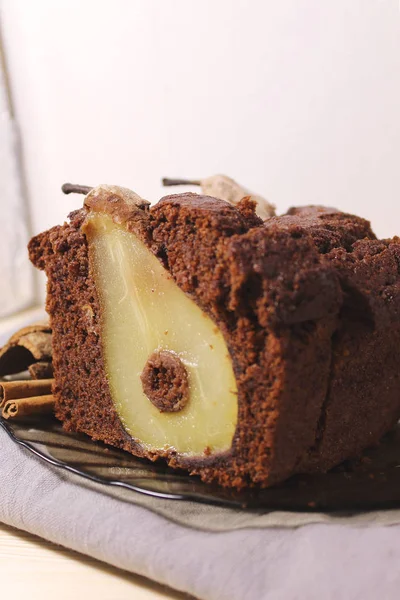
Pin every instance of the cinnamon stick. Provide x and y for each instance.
(39, 326)
(26, 346)
(11, 390)
(28, 407)
(41, 370)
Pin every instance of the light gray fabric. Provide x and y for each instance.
(320, 562)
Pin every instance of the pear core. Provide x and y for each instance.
(144, 311)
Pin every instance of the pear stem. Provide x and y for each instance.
(72, 188)
(167, 182)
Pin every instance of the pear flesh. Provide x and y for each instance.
(144, 311)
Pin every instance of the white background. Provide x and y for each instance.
(299, 100)
(16, 281)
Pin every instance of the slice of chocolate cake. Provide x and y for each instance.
(241, 350)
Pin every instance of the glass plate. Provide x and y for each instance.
(370, 483)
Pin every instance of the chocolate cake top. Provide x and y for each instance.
(328, 227)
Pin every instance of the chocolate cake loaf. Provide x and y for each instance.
(238, 349)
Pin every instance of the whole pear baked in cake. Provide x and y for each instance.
(239, 349)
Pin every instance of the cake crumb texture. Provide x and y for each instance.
(308, 304)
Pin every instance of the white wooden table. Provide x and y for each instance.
(34, 569)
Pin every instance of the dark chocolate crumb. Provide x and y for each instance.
(165, 381)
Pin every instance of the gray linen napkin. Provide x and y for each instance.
(316, 561)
